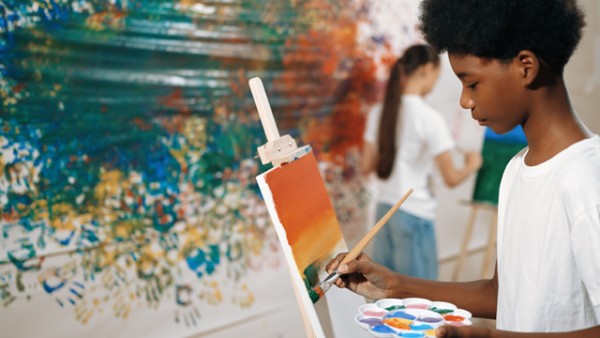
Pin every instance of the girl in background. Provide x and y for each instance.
(404, 139)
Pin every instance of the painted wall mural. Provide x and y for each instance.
(127, 144)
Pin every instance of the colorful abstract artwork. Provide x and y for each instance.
(127, 144)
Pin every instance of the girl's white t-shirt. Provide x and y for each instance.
(549, 242)
(421, 135)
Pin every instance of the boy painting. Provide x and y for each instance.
(509, 56)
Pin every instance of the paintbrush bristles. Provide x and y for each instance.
(318, 291)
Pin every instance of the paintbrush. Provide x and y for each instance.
(318, 291)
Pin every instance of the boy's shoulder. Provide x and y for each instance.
(585, 153)
(582, 166)
(576, 164)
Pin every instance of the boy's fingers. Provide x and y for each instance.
(355, 266)
(448, 331)
(334, 263)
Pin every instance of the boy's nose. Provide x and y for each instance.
(466, 102)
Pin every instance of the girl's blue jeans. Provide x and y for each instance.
(406, 244)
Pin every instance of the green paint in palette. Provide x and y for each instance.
(395, 307)
(441, 311)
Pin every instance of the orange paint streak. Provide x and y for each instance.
(305, 211)
(175, 100)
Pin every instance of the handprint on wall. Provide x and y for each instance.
(186, 312)
(59, 283)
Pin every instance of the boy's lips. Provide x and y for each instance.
(480, 120)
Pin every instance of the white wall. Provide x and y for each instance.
(582, 74)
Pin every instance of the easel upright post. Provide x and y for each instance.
(278, 149)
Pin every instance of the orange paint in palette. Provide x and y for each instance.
(453, 318)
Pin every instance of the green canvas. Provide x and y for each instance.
(496, 155)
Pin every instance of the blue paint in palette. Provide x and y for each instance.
(382, 329)
(411, 334)
(401, 314)
(421, 327)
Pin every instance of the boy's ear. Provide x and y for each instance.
(528, 66)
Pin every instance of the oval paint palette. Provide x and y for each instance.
(409, 317)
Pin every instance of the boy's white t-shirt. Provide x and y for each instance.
(549, 242)
(421, 135)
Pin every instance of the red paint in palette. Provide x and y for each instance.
(453, 318)
(418, 306)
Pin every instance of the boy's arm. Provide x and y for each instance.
(372, 280)
(478, 297)
(485, 332)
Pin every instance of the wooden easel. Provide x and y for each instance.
(489, 257)
(278, 150)
(333, 315)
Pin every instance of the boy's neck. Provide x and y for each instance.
(552, 125)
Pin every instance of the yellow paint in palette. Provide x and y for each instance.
(430, 333)
(398, 323)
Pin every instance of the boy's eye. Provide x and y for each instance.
(472, 85)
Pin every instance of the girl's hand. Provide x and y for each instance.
(473, 160)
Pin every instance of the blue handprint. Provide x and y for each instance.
(56, 283)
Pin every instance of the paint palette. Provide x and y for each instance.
(409, 317)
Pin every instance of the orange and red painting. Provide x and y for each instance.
(303, 209)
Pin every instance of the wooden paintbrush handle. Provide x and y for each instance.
(369, 236)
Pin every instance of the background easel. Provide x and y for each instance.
(497, 151)
(489, 258)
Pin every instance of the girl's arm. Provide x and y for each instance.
(368, 159)
(452, 175)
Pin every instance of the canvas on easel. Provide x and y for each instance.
(306, 225)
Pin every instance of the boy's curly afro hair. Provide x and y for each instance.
(500, 29)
